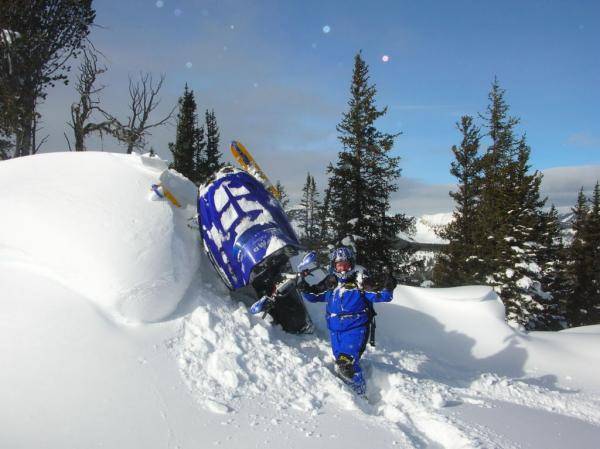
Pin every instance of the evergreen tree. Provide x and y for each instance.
(594, 249)
(37, 39)
(309, 220)
(211, 163)
(5, 147)
(283, 196)
(552, 258)
(364, 177)
(519, 275)
(583, 306)
(457, 264)
(496, 237)
(189, 142)
(579, 264)
(495, 192)
(326, 222)
(199, 169)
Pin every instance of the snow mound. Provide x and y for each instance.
(91, 222)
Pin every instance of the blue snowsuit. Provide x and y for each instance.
(348, 321)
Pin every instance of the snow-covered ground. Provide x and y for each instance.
(116, 332)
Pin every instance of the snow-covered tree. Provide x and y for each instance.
(495, 237)
(5, 145)
(583, 304)
(518, 278)
(552, 258)
(594, 248)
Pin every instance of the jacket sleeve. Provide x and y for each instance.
(315, 297)
(384, 295)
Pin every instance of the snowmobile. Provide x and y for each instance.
(250, 241)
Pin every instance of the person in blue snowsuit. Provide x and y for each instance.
(349, 312)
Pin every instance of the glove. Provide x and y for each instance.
(302, 286)
(330, 282)
(390, 282)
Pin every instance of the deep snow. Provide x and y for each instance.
(86, 251)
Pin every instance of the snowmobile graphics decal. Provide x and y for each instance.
(241, 225)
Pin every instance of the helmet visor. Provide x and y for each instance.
(343, 266)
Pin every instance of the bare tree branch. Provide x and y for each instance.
(89, 101)
(143, 101)
(68, 141)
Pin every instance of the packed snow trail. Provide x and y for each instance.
(86, 249)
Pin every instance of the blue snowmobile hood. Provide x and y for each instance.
(241, 225)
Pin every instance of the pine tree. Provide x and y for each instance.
(577, 308)
(189, 142)
(496, 163)
(552, 258)
(519, 275)
(283, 196)
(199, 169)
(309, 219)
(364, 177)
(37, 39)
(5, 146)
(594, 249)
(326, 219)
(496, 236)
(211, 163)
(584, 302)
(457, 264)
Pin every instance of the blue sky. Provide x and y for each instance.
(279, 83)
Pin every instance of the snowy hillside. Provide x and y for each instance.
(115, 331)
(426, 227)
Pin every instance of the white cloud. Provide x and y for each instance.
(415, 197)
(562, 184)
(583, 140)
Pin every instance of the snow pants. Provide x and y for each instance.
(351, 343)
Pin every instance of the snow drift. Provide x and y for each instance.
(88, 221)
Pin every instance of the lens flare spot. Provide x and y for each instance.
(385, 58)
(189, 65)
(178, 12)
(160, 4)
(326, 29)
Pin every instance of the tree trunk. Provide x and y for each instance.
(79, 141)
(26, 124)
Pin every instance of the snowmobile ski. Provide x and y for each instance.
(247, 162)
(162, 192)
